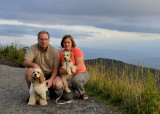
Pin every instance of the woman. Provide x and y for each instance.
(81, 76)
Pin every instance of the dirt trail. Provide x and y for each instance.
(14, 91)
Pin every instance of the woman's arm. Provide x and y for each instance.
(79, 62)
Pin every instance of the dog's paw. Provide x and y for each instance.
(31, 103)
(74, 69)
(67, 90)
(70, 73)
(43, 102)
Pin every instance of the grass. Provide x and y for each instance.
(129, 90)
(13, 52)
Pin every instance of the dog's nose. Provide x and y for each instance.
(35, 75)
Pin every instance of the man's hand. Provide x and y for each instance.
(49, 82)
(36, 66)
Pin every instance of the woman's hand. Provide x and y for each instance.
(62, 71)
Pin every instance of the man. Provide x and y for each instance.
(42, 55)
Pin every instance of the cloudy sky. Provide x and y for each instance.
(124, 25)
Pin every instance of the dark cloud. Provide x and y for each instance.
(124, 15)
(87, 7)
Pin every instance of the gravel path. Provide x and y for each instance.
(13, 94)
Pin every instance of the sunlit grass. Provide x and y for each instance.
(131, 92)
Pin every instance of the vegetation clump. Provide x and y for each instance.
(135, 91)
(13, 52)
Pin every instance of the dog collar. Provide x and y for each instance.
(68, 61)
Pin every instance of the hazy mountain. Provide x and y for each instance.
(119, 66)
(153, 62)
(133, 57)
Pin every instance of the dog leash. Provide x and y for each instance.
(39, 94)
(69, 101)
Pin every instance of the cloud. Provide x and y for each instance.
(121, 15)
(88, 7)
(85, 36)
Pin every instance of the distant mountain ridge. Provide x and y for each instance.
(119, 65)
(152, 62)
(148, 59)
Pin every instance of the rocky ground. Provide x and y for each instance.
(14, 92)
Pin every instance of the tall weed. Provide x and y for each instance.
(131, 91)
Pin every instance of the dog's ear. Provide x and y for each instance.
(71, 54)
(42, 78)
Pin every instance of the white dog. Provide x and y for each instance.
(38, 88)
(70, 68)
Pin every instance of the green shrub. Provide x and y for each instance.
(13, 52)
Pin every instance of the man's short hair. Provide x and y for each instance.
(43, 32)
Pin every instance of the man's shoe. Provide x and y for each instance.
(52, 93)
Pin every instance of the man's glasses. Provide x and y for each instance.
(43, 39)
